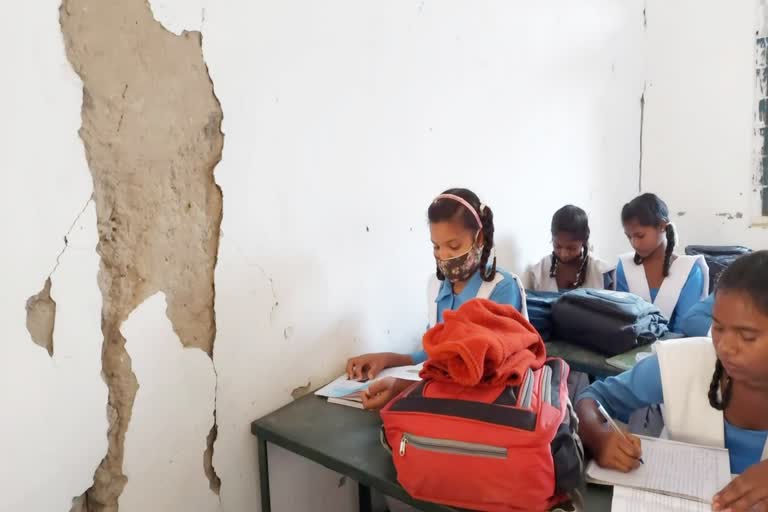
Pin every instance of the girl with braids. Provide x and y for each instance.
(571, 264)
(462, 229)
(674, 283)
(714, 391)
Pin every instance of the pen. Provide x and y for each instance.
(613, 424)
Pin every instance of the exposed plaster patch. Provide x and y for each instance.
(41, 317)
(301, 390)
(151, 127)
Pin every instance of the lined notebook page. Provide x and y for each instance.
(678, 469)
(626, 499)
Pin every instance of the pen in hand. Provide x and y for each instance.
(613, 424)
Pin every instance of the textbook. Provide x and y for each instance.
(344, 391)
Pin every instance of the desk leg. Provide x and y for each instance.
(364, 498)
(266, 505)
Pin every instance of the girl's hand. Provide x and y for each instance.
(368, 366)
(615, 451)
(382, 391)
(747, 492)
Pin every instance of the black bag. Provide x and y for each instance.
(606, 321)
(718, 258)
(539, 306)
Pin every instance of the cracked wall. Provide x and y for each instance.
(299, 106)
(151, 131)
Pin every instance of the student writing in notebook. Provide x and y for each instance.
(673, 282)
(461, 228)
(715, 391)
(571, 264)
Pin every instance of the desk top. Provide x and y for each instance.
(346, 440)
(581, 359)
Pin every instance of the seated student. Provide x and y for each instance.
(715, 391)
(571, 264)
(674, 283)
(462, 230)
(698, 320)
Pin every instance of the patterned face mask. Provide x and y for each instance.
(461, 268)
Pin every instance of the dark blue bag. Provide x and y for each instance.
(539, 306)
(606, 321)
(718, 258)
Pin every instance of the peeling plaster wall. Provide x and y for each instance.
(698, 142)
(342, 120)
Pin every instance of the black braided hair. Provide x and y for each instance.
(720, 401)
(670, 232)
(649, 210)
(447, 210)
(748, 275)
(574, 221)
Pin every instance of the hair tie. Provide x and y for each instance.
(465, 203)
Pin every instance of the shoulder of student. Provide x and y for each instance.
(510, 280)
(601, 265)
(531, 279)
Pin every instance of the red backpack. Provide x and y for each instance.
(499, 449)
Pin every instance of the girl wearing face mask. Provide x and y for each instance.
(571, 264)
(461, 229)
(674, 283)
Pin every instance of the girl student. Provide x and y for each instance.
(715, 391)
(461, 228)
(571, 264)
(674, 283)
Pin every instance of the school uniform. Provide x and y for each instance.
(686, 285)
(678, 376)
(505, 288)
(600, 275)
(698, 320)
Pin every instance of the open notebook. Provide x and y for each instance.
(343, 391)
(675, 476)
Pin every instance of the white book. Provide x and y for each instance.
(344, 391)
(679, 470)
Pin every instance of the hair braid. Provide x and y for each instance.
(581, 276)
(717, 399)
(487, 273)
(670, 230)
(553, 266)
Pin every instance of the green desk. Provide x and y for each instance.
(346, 440)
(581, 359)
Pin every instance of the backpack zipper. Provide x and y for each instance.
(452, 447)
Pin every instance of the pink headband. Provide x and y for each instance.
(465, 203)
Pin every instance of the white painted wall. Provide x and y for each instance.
(53, 409)
(343, 119)
(698, 145)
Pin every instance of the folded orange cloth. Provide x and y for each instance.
(482, 343)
